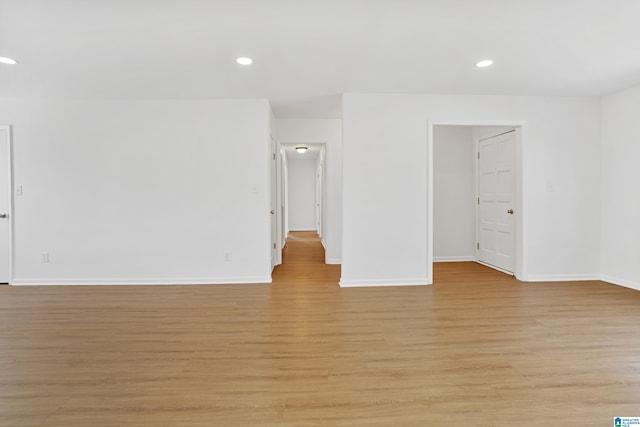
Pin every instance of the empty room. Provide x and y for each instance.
(286, 213)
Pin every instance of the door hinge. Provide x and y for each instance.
(478, 200)
(274, 156)
(478, 155)
(274, 246)
(478, 245)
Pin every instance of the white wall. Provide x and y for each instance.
(141, 191)
(620, 194)
(454, 210)
(302, 194)
(328, 131)
(385, 182)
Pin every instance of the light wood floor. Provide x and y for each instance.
(476, 349)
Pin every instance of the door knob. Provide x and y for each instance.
(273, 212)
(4, 215)
(510, 211)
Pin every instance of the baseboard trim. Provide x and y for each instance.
(562, 277)
(157, 281)
(454, 258)
(333, 261)
(621, 282)
(383, 282)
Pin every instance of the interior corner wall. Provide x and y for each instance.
(620, 177)
(302, 194)
(385, 182)
(122, 192)
(329, 132)
(454, 210)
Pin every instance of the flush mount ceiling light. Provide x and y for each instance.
(484, 63)
(5, 60)
(301, 149)
(244, 61)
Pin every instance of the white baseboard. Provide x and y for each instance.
(454, 258)
(562, 277)
(157, 281)
(303, 229)
(621, 282)
(383, 282)
(333, 261)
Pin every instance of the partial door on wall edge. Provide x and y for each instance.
(496, 201)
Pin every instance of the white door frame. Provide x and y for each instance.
(10, 201)
(276, 255)
(283, 207)
(321, 192)
(281, 213)
(521, 238)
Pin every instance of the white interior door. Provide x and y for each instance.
(496, 190)
(284, 228)
(5, 224)
(275, 259)
(319, 200)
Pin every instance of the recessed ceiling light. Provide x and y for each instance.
(244, 61)
(5, 60)
(484, 63)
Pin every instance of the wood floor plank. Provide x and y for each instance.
(477, 348)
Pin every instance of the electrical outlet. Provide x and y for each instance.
(550, 187)
(45, 257)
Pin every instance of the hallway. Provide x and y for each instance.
(303, 263)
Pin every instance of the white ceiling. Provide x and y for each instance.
(306, 53)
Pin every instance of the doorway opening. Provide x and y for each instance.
(301, 192)
(475, 196)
